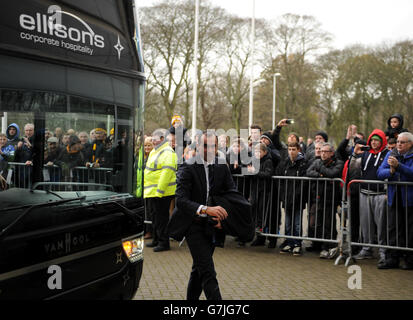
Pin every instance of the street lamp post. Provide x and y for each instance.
(274, 98)
(252, 39)
(195, 90)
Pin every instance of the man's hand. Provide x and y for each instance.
(218, 212)
(27, 142)
(251, 169)
(218, 225)
(349, 134)
(49, 164)
(393, 162)
(92, 165)
(357, 149)
(28, 163)
(353, 130)
(282, 123)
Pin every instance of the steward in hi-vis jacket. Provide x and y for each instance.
(160, 186)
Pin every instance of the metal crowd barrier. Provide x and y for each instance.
(311, 203)
(381, 226)
(20, 175)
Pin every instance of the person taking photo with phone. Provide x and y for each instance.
(373, 199)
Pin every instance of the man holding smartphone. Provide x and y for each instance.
(372, 197)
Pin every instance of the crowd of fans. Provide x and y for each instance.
(378, 216)
(64, 150)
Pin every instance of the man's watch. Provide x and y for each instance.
(203, 210)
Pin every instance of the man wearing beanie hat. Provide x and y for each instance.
(321, 136)
(372, 197)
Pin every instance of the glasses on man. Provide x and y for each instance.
(326, 151)
(402, 142)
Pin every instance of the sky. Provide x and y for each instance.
(366, 22)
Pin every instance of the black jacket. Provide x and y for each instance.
(191, 192)
(344, 151)
(310, 153)
(94, 152)
(320, 169)
(394, 132)
(25, 153)
(52, 156)
(292, 191)
(260, 182)
(266, 167)
(239, 222)
(70, 160)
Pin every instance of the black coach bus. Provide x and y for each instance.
(71, 111)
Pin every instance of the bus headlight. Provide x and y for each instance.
(133, 249)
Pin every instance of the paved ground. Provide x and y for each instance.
(259, 273)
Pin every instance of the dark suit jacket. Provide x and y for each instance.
(191, 192)
(239, 222)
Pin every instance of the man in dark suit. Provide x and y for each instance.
(197, 180)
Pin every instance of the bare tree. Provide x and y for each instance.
(167, 33)
(291, 43)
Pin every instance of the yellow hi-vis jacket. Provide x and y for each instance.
(160, 172)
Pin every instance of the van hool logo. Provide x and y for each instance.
(67, 244)
(49, 29)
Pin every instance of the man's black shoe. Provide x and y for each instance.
(160, 248)
(152, 244)
(387, 265)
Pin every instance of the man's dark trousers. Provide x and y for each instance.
(400, 218)
(203, 275)
(160, 220)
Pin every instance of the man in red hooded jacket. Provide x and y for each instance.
(373, 200)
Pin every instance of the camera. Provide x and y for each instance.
(365, 148)
(289, 121)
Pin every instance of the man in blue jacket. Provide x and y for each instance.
(398, 166)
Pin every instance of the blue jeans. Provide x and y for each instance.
(293, 227)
